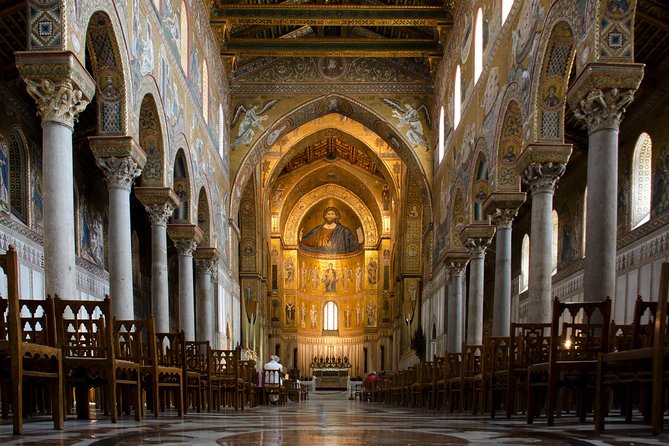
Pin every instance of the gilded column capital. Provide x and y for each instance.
(502, 207)
(59, 83)
(185, 247)
(543, 178)
(456, 261)
(160, 213)
(604, 109)
(57, 101)
(119, 172)
(602, 91)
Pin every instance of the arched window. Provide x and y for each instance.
(183, 44)
(441, 133)
(478, 45)
(641, 180)
(330, 316)
(506, 9)
(457, 97)
(18, 172)
(221, 130)
(525, 264)
(554, 242)
(205, 91)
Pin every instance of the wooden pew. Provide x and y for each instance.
(28, 348)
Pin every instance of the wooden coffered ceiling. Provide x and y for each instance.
(415, 29)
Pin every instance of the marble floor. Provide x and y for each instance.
(328, 419)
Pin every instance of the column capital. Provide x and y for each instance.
(502, 207)
(456, 261)
(602, 91)
(117, 147)
(543, 177)
(186, 237)
(476, 238)
(119, 172)
(58, 82)
(160, 202)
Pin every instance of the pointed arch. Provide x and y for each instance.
(204, 217)
(458, 218)
(151, 141)
(103, 52)
(510, 141)
(19, 174)
(549, 91)
(480, 188)
(182, 187)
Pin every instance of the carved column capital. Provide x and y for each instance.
(160, 213)
(543, 177)
(603, 108)
(503, 218)
(185, 247)
(205, 266)
(119, 172)
(57, 101)
(477, 246)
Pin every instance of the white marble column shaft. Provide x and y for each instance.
(454, 338)
(120, 174)
(475, 304)
(205, 300)
(542, 180)
(501, 321)
(59, 104)
(185, 249)
(160, 305)
(602, 111)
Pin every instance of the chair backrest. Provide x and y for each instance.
(225, 364)
(171, 349)
(579, 330)
(471, 359)
(198, 357)
(84, 327)
(643, 323)
(661, 332)
(495, 354)
(135, 340)
(529, 344)
(23, 320)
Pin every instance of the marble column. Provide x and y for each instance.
(62, 88)
(503, 208)
(542, 180)
(186, 238)
(205, 260)
(120, 173)
(476, 238)
(159, 204)
(599, 97)
(456, 264)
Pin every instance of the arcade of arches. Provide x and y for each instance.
(344, 191)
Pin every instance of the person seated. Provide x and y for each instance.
(273, 373)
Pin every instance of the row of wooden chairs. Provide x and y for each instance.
(73, 346)
(579, 358)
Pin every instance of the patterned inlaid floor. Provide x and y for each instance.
(328, 420)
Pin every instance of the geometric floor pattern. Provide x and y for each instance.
(327, 419)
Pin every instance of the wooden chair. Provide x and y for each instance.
(438, 382)
(495, 359)
(171, 352)
(529, 344)
(29, 353)
(579, 333)
(272, 386)
(249, 377)
(198, 377)
(226, 368)
(90, 359)
(453, 365)
(642, 369)
(462, 387)
(161, 371)
(292, 390)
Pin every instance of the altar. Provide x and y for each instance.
(330, 372)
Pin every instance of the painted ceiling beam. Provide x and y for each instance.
(332, 47)
(332, 15)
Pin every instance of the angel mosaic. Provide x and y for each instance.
(410, 117)
(252, 121)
